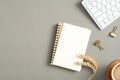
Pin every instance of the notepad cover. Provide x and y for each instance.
(70, 41)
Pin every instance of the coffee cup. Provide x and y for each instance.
(113, 71)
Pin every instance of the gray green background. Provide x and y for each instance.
(27, 31)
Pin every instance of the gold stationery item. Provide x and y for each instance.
(90, 63)
(98, 44)
(113, 70)
(112, 33)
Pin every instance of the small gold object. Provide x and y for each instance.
(112, 33)
(98, 44)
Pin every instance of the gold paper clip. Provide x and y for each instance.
(98, 44)
(112, 33)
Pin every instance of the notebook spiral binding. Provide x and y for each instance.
(59, 29)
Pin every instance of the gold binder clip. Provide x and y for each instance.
(98, 44)
(112, 33)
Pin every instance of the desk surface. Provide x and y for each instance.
(27, 30)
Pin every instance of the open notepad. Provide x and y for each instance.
(69, 42)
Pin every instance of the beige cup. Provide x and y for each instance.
(113, 71)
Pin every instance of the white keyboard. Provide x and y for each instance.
(103, 12)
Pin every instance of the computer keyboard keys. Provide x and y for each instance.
(104, 2)
(93, 10)
(116, 13)
(94, 3)
(103, 9)
(106, 20)
(113, 9)
(103, 12)
(109, 12)
(113, 2)
(101, 18)
(118, 6)
(111, 17)
(89, 6)
(102, 24)
(91, 0)
(97, 14)
(86, 2)
(108, 6)
(99, 6)
(98, 1)
(117, 0)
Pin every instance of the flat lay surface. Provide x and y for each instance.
(27, 32)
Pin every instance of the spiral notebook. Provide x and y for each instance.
(70, 41)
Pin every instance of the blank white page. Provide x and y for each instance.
(73, 41)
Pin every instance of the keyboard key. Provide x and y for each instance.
(119, 10)
(86, 2)
(97, 14)
(99, 6)
(102, 24)
(104, 2)
(94, 3)
(93, 10)
(116, 13)
(118, 6)
(91, 0)
(113, 9)
(98, 1)
(106, 20)
(113, 3)
(89, 6)
(117, 0)
(108, 6)
(111, 17)
(108, 0)
(101, 18)
(109, 12)
(103, 9)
